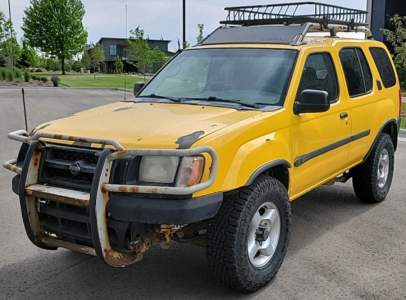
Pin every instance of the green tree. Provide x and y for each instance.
(86, 59)
(138, 47)
(96, 57)
(397, 38)
(29, 56)
(200, 36)
(55, 27)
(8, 41)
(118, 65)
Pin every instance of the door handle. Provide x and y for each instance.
(343, 115)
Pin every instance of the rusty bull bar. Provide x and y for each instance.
(30, 189)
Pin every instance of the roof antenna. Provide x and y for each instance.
(25, 111)
(125, 57)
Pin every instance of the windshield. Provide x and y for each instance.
(246, 76)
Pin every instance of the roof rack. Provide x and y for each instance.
(298, 13)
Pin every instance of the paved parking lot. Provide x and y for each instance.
(339, 249)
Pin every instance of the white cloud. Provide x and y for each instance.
(158, 18)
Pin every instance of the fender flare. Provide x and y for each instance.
(393, 123)
(267, 166)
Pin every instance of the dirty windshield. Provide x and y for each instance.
(248, 77)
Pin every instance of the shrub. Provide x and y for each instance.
(3, 73)
(44, 79)
(27, 76)
(17, 73)
(55, 80)
(3, 61)
(9, 75)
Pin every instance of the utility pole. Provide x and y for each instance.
(184, 24)
(11, 40)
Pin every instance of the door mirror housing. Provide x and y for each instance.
(311, 101)
(138, 87)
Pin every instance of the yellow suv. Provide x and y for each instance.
(213, 149)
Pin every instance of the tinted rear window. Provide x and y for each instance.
(384, 66)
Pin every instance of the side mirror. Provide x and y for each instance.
(311, 101)
(138, 86)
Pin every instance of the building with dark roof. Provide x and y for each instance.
(113, 47)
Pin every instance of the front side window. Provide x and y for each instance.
(356, 70)
(250, 76)
(113, 50)
(319, 74)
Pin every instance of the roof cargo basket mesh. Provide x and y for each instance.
(298, 12)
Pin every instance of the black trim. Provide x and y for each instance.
(15, 183)
(377, 137)
(125, 208)
(304, 158)
(92, 202)
(267, 166)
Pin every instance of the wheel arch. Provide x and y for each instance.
(278, 169)
(390, 127)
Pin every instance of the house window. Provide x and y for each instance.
(113, 50)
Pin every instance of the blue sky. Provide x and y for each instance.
(158, 18)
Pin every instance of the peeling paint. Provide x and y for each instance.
(123, 108)
(34, 131)
(186, 141)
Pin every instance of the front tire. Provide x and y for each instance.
(372, 179)
(248, 238)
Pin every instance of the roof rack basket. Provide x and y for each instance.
(298, 13)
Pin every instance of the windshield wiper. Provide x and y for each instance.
(212, 98)
(160, 97)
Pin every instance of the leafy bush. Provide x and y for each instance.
(9, 75)
(55, 80)
(3, 61)
(27, 76)
(3, 73)
(17, 73)
(44, 79)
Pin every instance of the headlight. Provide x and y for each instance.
(163, 169)
(158, 169)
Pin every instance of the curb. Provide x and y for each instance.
(62, 88)
(402, 133)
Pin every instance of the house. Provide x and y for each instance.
(113, 47)
(380, 12)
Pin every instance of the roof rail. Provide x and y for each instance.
(298, 13)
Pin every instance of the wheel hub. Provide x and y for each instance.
(261, 234)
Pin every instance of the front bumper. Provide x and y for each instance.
(106, 203)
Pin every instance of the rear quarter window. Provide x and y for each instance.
(384, 65)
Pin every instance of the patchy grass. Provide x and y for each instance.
(100, 81)
(403, 124)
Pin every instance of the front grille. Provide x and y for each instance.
(71, 167)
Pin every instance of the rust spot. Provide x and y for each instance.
(117, 259)
(122, 189)
(103, 188)
(58, 136)
(58, 198)
(35, 162)
(134, 189)
(82, 140)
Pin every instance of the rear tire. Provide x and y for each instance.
(372, 179)
(248, 238)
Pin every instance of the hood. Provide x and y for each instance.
(148, 125)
